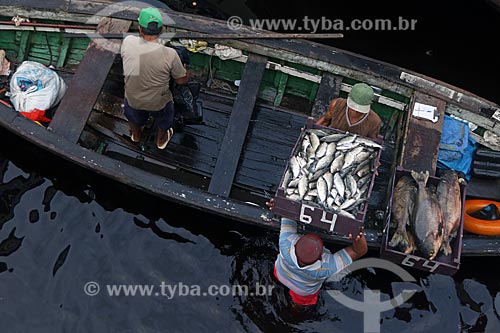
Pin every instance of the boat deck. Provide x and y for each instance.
(191, 156)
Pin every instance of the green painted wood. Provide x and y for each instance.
(63, 52)
(23, 45)
(283, 79)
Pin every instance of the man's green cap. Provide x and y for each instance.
(150, 15)
(360, 98)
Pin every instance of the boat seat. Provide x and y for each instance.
(420, 152)
(83, 90)
(236, 132)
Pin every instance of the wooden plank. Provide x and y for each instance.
(422, 139)
(231, 147)
(87, 82)
(23, 46)
(64, 52)
(329, 88)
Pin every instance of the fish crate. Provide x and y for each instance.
(442, 264)
(308, 213)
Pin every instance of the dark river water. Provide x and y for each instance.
(63, 231)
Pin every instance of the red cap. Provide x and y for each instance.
(308, 249)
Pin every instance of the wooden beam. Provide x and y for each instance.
(236, 131)
(83, 91)
(64, 52)
(421, 144)
(24, 46)
(329, 88)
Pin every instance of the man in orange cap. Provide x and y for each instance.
(303, 263)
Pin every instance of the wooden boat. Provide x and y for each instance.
(232, 163)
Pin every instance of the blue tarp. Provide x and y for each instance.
(457, 147)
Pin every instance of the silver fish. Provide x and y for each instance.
(314, 141)
(328, 176)
(347, 204)
(287, 178)
(319, 133)
(294, 165)
(337, 163)
(303, 187)
(312, 193)
(368, 143)
(347, 146)
(294, 183)
(322, 189)
(339, 184)
(363, 171)
(351, 184)
(324, 162)
(403, 198)
(330, 150)
(333, 137)
(347, 140)
(346, 214)
(448, 194)
(427, 219)
(349, 159)
(321, 151)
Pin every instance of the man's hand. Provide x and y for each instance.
(184, 79)
(359, 247)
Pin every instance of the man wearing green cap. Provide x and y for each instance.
(353, 114)
(148, 67)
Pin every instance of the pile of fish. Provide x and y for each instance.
(331, 170)
(427, 217)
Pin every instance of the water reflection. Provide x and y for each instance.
(61, 231)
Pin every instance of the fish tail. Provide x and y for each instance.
(396, 239)
(411, 244)
(420, 176)
(400, 239)
(447, 247)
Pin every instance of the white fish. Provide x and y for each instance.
(368, 143)
(324, 162)
(286, 178)
(348, 203)
(314, 141)
(347, 140)
(328, 176)
(337, 163)
(339, 184)
(294, 182)
(303, 187)
(321, 151)
(294, 165)
(333, 137)
(348, 160)
(351, 184)
(330, 150)
(347, 146)
(346, 214)
(322, 189)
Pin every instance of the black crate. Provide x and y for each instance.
(442, 264)
(313, 214)
(486, 163)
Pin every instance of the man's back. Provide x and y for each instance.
(147, 67)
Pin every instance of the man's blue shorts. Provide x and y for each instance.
(164, 119)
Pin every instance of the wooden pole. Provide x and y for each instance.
(216, 36)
